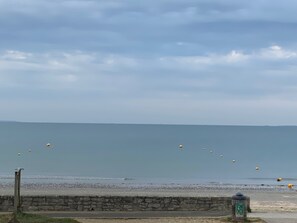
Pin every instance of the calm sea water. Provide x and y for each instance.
(118, 153)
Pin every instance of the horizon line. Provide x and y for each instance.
(124, 123)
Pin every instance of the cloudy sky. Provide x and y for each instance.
(166, 61)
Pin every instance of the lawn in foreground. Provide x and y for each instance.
(33, 218)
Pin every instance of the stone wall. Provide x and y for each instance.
(117, 203)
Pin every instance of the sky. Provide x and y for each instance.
(208, 62)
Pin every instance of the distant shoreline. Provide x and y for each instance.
(148, 124)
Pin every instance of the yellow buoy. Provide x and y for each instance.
(290, 186)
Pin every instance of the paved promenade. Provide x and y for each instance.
(273, 217)
(276, 217)
(268, 217)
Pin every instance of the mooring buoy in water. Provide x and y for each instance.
(49, 146)
(290, 186)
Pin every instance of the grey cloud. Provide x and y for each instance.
(143, 27)
(233, 75)
(147, 56)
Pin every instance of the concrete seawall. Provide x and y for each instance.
(117, 203)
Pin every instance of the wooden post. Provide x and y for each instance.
(17, 190)
(16, 194)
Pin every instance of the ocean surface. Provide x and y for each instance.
(129, 154)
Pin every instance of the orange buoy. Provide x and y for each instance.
(290, 186)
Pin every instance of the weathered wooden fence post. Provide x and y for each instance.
(17, 190)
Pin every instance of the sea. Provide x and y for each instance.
(148, 154)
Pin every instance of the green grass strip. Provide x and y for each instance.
(34, 218)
